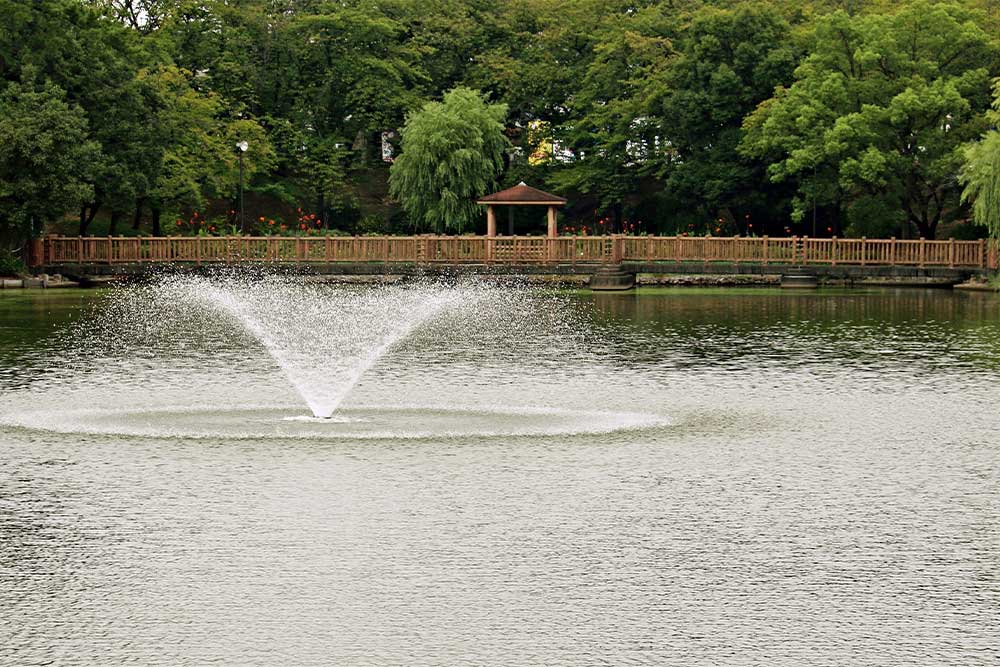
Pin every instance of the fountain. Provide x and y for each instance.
(323, 340)
(214, 356)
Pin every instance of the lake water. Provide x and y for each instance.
(666, 477)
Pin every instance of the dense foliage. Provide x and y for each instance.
(981, 173)
(830, 117)
(452, 153)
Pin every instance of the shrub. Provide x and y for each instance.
(11, 264)
(372, 225)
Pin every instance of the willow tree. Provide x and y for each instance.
(981, 173)
(452, 153)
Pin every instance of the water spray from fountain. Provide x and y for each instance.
(323, 339)
(219, 355)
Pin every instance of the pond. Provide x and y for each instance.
(517, 476)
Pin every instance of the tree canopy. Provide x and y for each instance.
(981, 172)
(46, 157)
(453, 152)
(659, 116)
(878, 112)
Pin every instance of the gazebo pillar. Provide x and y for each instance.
(553, 222)
(491, 221)
(491, 232)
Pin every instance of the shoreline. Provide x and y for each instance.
(575, 281)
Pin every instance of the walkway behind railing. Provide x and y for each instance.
(58, 250)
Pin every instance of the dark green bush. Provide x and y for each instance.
(11, 264)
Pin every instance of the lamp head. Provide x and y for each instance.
(243, 146)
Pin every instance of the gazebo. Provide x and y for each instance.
(521, 195)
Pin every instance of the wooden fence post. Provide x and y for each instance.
(864, 250)
(765, 252)
(36, 253)
(922, 252)
(951, 253)
(892, 251)
(833, 251)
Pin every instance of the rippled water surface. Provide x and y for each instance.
(668, 477)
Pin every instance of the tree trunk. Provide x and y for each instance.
(113, 225)
(926, 227)
(321, 212)
(156, 221)
(925, 230)
(361, 145)
(137, 220)
(87, 213)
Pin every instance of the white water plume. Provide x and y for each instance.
(323, 339)
(219, 356)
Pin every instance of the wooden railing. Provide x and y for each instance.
(803, 250)
(59, 250)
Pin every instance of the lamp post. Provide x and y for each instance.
(242, 147)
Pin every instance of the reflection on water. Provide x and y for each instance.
(821, 488)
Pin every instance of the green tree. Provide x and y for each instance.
(94, 61)
(144, 16)
(879, 110)
(981, 173)
(453, 152)
(195, 145)
(730, 60)
(45, 158)
(608, 129)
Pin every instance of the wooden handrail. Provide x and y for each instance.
(63, 250)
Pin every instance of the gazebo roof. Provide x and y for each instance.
(522, 194)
